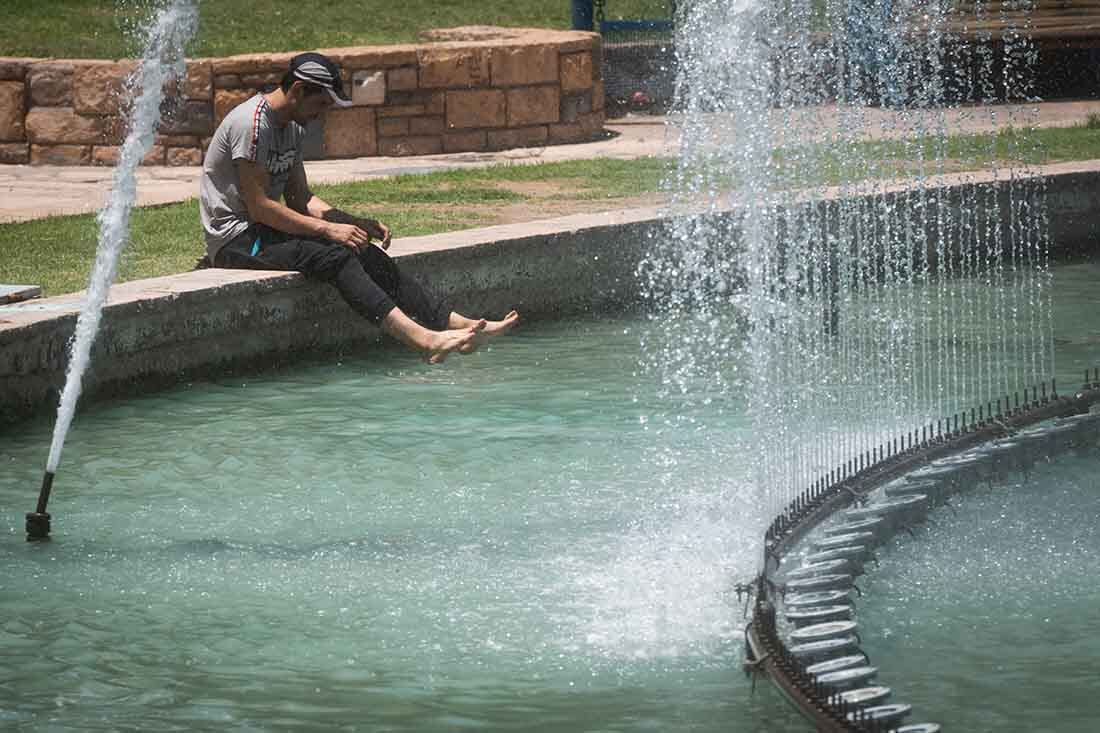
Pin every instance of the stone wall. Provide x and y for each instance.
(468, 89)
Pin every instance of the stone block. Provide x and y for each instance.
(427, 126)
(15, 153)
(13, 107)
(462, 142)
(51, 84)
(46, 125)
(372, 57)
(183, 156)
(533, 106)
(100, 88)
(402, 79)
(13, 69)
(453, 68)
(480, 108)
(60, 154)
(176, 141)
(226, 99)
(200, 81)
(106, 155)
(191, 117)
(523, 137)
(399, 146)
(252, 63)
(578, 41)
(368, 88)
(478, 34)
(523, 65)
(597, 96)
(227, 81)
(587, 127)
(576, 72)
(393, 126)
(350, 133)
(261, 81)
(114, 130)
(575, 105)
(414, 104)
(155, 156)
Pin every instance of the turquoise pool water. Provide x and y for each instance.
(515, 540)
(535, 536)
(987, 618)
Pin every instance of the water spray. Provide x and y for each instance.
(162, 60)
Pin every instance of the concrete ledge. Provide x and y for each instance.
(160, 331)
(17, 293)
(164, 330)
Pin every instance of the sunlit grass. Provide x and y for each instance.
(106, 30)
(57, 252)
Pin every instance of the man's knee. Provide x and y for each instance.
(379, 265)
(329, 262)
(372, 256)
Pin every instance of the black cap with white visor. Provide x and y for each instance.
(314, 68)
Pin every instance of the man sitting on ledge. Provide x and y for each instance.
(255, 159)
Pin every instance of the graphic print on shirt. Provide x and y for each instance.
(279, 161)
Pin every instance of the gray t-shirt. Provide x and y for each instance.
(249, 132)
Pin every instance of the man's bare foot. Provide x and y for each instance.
(442, 343)
(492, 328)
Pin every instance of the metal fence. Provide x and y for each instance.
(639, 56)
(766, 651)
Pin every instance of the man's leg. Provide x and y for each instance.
(411, 297)
(406, 292)
(338, 265)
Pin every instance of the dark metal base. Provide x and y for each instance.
(38, 527)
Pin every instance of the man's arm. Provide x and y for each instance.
(301, 199)
(301, 222)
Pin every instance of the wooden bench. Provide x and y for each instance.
(1050, 23)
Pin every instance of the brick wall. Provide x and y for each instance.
(493, 89)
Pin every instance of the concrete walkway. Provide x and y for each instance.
(32, 192)
(35, 192)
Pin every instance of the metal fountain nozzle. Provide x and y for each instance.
(38, 526)
(38, 521)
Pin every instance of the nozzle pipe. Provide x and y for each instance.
(38, 521)
(44, 492)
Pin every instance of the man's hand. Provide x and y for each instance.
(348, 235)
(378, 230)
(370, 228)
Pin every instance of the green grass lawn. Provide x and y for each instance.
(105, 29)
(57, 252)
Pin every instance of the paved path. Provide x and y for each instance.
(31, 192)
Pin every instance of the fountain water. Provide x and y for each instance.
(872, 287)
(863, 280)
(162, 61)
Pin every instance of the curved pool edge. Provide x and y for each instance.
(851, 484)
